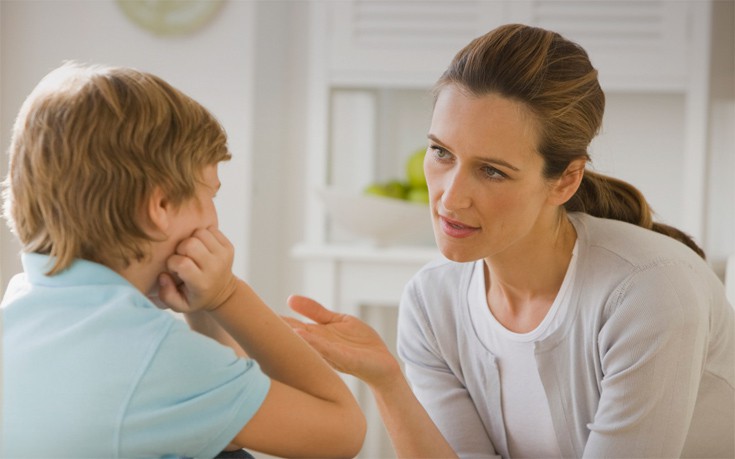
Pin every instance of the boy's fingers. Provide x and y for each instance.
(169, 294)
(311, 309)
(214, 241)
(191, 247)
(208, 239)
(182, 265)
(220, 236)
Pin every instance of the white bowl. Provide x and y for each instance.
(382, 220)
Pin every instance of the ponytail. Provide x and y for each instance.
(606, 197)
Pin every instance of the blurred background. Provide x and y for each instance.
(336, 95)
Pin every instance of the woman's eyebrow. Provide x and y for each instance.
(487, 159)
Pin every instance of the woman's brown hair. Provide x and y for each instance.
(89, 146)
(555, 79)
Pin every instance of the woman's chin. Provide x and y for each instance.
(456, 254)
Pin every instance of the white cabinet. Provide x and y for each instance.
(402, 43)
(636, 45)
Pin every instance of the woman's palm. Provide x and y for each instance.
(347, 343)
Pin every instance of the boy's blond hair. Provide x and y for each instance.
(89, 146)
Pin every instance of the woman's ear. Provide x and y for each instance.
(565, 186)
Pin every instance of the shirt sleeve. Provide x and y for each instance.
(193, 397)
(438, 389)
(652, 348)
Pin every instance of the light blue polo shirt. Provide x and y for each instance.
(92, 368)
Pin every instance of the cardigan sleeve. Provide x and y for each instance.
(652, 347)
(438, 389)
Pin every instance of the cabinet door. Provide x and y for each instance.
(402, 42)
(635, 45)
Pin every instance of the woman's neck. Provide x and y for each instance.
(521, 286)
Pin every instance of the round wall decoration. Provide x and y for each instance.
(170, 17)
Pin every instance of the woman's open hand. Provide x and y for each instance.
(348, 344)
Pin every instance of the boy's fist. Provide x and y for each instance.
(200, 273)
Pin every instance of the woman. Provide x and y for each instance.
(565, 323)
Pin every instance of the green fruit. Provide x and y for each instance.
(375, 189)
(396, 189)
(415, 169)
(393, 189)
(419, 195)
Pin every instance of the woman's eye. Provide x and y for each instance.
(493, 173)
(439, 153)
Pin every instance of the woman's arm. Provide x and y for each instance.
(652, 347)
(351, 346)
(308, 411)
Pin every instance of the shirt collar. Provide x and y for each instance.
(80, 272)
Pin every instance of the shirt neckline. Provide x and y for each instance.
(483, 311)
(80, 272)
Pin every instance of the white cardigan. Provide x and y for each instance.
(644, 367)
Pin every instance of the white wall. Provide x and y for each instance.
(213, 65)
(278, 151)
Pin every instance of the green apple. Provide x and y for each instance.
(376, 189)
(415, 169)
(418, 194)
(396, 189)
(392, 189)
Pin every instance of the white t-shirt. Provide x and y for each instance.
(526, 413)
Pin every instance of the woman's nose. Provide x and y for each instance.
(456, 193)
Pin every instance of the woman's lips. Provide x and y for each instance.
(456, 229)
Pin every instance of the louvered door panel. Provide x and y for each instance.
(412, 25)
(403, 42)
(636, 45)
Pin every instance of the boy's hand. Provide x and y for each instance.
(203, 265)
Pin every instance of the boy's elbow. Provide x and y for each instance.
(352, 433)
(360, 430)
(343, 438)
(355, 428)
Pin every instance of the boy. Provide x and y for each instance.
(110, 190)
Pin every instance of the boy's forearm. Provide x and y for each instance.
(204, 323)
(282, 354)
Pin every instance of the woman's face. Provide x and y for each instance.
(487, 192)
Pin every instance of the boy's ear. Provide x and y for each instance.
(565, 186)
(157, 211)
